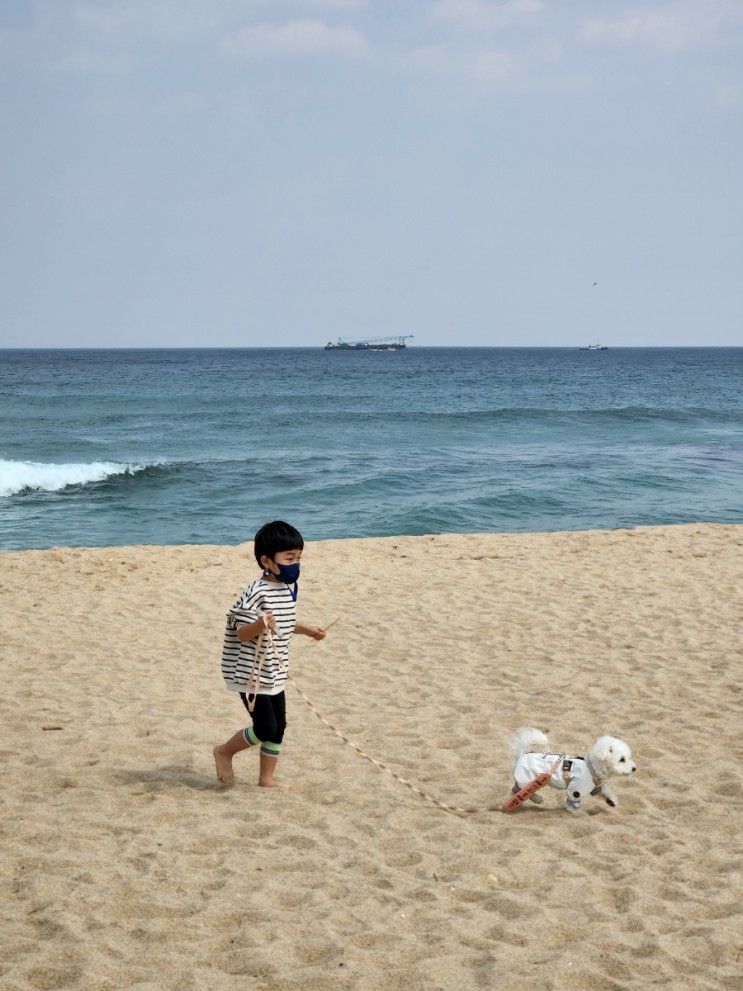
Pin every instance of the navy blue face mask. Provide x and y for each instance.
(288, 574)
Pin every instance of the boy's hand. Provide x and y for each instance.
(316, 632)
(269, 621)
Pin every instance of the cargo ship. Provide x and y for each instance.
(370, 344)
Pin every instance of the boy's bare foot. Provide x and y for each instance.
(266, 771)
(223, 764)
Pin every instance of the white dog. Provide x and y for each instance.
(579, 776)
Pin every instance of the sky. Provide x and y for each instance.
(238, 173)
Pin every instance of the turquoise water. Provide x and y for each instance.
(123, 447)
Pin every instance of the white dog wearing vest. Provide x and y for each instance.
(578, 776)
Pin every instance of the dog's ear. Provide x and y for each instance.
(603, 748)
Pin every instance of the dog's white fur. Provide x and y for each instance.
(531, 754)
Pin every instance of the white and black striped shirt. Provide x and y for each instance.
(238, 658)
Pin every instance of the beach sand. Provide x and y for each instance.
(124, 865)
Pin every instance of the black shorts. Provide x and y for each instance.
(269, 716)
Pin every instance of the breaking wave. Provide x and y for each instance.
(20, 477)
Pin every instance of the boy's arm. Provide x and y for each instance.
(316, 632)
(249, 631)
(246, 615)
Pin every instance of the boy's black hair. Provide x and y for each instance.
(272, 538)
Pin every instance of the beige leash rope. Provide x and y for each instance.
(456, 809)
(265, 642)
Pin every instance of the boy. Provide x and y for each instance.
(249, 666)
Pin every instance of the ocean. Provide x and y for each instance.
(113, 447)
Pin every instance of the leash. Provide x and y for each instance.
(456, 809)
(265, 643)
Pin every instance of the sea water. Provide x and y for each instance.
(202, 446)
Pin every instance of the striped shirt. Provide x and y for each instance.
(239, 659)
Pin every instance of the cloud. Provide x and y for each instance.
(163, 18)
(88, 60)
(174, 20)
(317, 4)
(673, 27)
(442, 60)
(171, 18)
(435, 59)
(729, 95)
(484, 15)
(481, 56)
(303, 37)
(535, 68)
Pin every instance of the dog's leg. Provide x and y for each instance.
(609, 796)
(536, 797)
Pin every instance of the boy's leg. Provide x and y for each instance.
(269, 721)
(223, 755)
(268, 762)
(271, 746)
(243, 739)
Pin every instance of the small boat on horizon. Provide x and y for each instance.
(595, 347)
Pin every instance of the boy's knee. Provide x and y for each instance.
(270, 734)
(270, 749)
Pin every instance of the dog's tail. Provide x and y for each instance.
(528, 739)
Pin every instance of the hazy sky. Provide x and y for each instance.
(247, 172)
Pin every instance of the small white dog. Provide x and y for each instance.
(579, 776)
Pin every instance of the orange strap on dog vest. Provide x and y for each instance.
(515, 801)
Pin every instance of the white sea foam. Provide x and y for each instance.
(24, 476)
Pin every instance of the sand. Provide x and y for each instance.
(125, 865)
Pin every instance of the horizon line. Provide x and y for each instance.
(415, 347)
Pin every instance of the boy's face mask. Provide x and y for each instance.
(288, 573)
